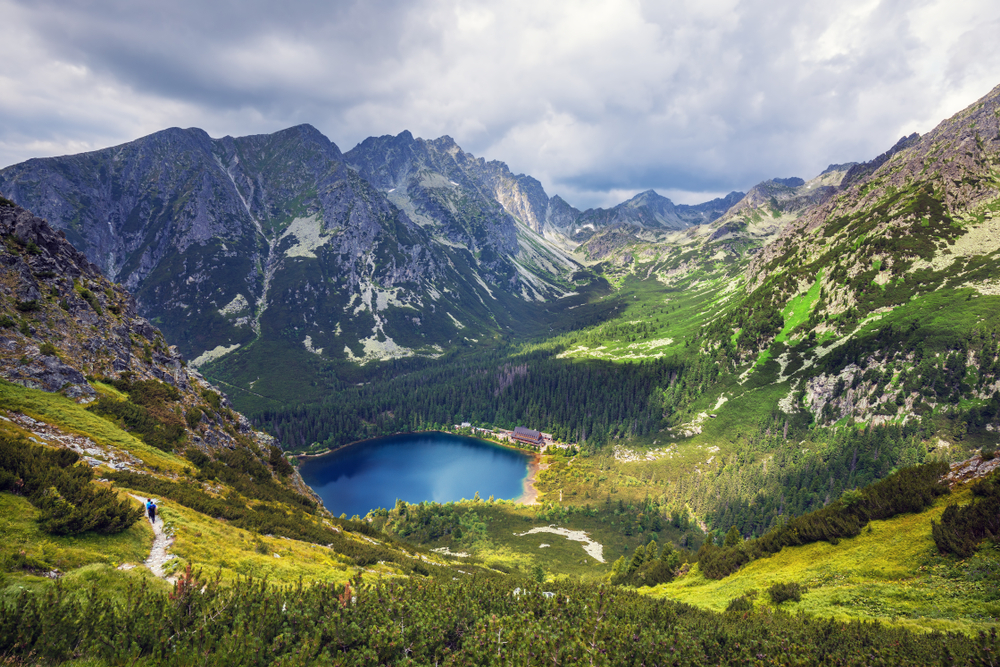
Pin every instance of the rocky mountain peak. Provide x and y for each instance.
(792, 182)
(860, 171)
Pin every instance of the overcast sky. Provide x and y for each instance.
(597, 99)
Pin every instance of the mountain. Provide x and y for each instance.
(291, 256)
(650, 211)
(467, 202)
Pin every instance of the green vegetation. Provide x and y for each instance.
(495, 533)
(963, 528)
(146, 412)
(783, 592)
(74, 418)
(587, 402)
(27, 551)
(68, 503)
(798, 309)
(891, 572)
(909, 490)
(474, 622)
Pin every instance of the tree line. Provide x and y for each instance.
(588, 402)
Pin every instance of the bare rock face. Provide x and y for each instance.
(967, 471)
(51, 374)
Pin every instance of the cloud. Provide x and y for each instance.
(592, 97)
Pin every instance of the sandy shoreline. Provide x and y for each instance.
(530, 494)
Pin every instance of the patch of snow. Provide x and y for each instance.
(593, 549)
(217, 352)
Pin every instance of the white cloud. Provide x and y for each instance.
(592, 97)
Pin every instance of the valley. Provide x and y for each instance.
(768, 399)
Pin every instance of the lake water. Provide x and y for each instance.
(414, 467)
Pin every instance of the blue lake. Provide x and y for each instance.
(414, 467)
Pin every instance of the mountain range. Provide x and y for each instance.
(398, 247)
(281, 266)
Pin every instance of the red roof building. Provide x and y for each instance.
(527, 436)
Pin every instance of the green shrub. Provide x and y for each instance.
(48, 349)
(58, 487)
(27, 306)
(481, 621)
(279, 462)
(212, 398)
(193, 417)
(158, 432)
(7, 322)
(742, 604)
(782, 592)
(963, 528)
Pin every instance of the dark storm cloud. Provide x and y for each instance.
(597, 98)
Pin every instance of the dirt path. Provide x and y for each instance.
(158, 555)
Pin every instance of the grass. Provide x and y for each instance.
(797, 310)
(72, 417)
(215, 546)
(20, 532)
(668, 317)
(889, 573)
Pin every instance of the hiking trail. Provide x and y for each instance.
(158, 555)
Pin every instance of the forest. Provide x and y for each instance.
(586, 402)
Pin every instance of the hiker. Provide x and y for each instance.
(151, 509)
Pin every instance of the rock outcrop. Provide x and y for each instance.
(63, 324)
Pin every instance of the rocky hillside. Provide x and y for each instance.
(67, 329)
(880, 302)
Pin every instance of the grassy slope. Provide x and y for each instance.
(672, 315)
(205, 542)
(72, 417)
(19, 532)
(889, 573)
(216, 546)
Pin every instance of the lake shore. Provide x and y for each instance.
(530, 494)
(498, 443)
(316, 455)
